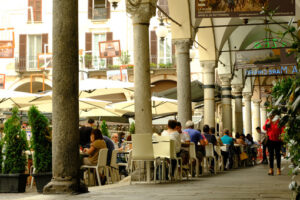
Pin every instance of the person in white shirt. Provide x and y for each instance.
(174, 135)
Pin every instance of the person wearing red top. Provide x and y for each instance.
(274, 132)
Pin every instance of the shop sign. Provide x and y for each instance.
(6, 49)
(274, 71)
(109, 49)
(242, 8)
(264, 58)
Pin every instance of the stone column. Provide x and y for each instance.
(226, 101)
(141, 15)
(237, 96)
(248, 119)
(65, 135)
(209, 91)
(256, 118)
(263, 112)
(182, 47)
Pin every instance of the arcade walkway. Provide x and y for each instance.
(248, 183)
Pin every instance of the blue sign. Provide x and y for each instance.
(275, 71)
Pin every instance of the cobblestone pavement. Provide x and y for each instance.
(246, 183)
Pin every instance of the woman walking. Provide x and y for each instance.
(274, 142)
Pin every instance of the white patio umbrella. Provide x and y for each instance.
(99, 87)
(159, 106)
(84, 103)
(9, 98)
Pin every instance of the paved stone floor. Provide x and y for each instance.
(246, 183)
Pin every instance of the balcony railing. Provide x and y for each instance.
(32, 63)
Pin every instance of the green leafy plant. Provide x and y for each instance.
(124, 58)
(132, 128)
(104, 129)
(15, 145)
(40, 140)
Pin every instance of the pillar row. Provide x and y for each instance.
(248, 119)
(182, 47)
(141, 15)
(209, 91)
(237, 96)
(226, 102)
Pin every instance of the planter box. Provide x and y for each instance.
(13, 183)
(42, 179)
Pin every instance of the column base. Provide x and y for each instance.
(65, 186)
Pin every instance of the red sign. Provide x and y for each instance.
(6, 49)
(109, 49)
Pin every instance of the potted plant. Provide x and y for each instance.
(104, 129)
(41, 144)
(13, 178)
(132, 128)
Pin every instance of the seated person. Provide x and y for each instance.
(97, 143)
(239, 140)
(174, 135)
(115, 139)
(228, 141)
(196, 137)
(185, 144)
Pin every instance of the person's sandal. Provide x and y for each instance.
(271, 172)
(278, 172)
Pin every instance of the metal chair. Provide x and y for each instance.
(142, 151)
(101, 164)
(193, 157)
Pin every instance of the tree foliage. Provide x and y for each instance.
(15, 145)
(40, 140)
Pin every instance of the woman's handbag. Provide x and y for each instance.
(243, 156)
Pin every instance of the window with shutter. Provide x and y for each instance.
(109, 37)
(153, 47)
(35, 9)
(98, 9)
(165, 50)
(45, 43)
(34, 48)
(163, 4)
(22, 52)
(97, 61)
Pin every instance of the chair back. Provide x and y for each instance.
(218, 150)
(162, 149)
(102, 157)
(142, 148)
(163, 138)
(209, 150)
(113, 162)
(129, 160)
(192, 150)
(172, 149)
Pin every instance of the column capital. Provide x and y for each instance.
(256, 102)
(225, 79)
(247, 96)
(141, 11)
(182, 45)
(237, 90)
(208, 65)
